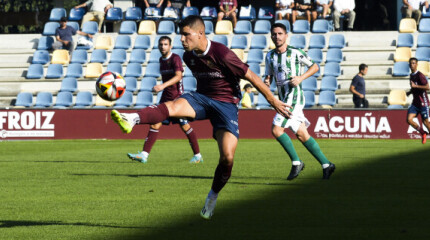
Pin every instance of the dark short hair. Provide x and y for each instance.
(191, 21)
(247, 86)
(162, 38)
(362, 67)
(63, 19)
(413, 59)
(278, 25)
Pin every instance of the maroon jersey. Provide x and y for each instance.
(420, 96)
(168, 67)
(218, 72)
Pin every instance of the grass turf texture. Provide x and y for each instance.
(89, 189)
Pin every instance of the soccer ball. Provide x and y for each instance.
(110, 86)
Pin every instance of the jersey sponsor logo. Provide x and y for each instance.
(26, 124)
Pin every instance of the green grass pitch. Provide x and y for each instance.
(89, 189)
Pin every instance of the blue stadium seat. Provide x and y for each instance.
(332, 69)
(40, 57)
(142, 42)
(154, 57)
(262, 102)
(301, 26)
(43, 99)
(57, 14)
(90, 27)
(395, 106)
(118, 56)
(190, 84)
(286, 23)
(266, 12)
(315, 54)
(188, 11)
(327, 98)
(317, 41)
(74, 25)
(262, 27)
(251, 16)
(74, 70)
(171, 13)
(49, 29)
(401, 69)
(255, 56)
(221, 39)
(424, 25)
(320, 26)
(147, 84)
(239, 41)
(114, 14)
(54, 71)
(134, 70)
(64, 100)
(138, 56)
(243, 27)
(99, 56)
(209, 27)
(334, 55)
(152, 13)
(83, 99)
(166, 27)
(309, 98)
(422, 54)
(426, 14)
(45, 43)
(177, 44)
(128, 27)
(131, 84)
(298, 41)
(156, 39)
(133, 14)
(336, 41)
(405, 40)
(24, 99)
(329, 84)
(144, 99)
(114, 67)
(273, 86)
(255, 67)
(423, 40)
(309, 84)
(209, 13)
(76, 14)
(187, 72)
(258, 41)
(35, 71)
(159, 95)
(125, 101)
(69, 85)
(79, 56)
(179, 52)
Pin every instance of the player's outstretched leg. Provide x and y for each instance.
(126, 121)
(139, 156)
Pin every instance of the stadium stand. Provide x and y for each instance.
(262, 27)
(98, 56)
(147, 27)
(258, 41)
(190, 84)
(76, 14)
(286, 23)
(40, 57)
(316, 55)
(104, 42)
(327, 98)
(239, 53)
(334, 55)
(69, 84)
(309, 99)
(24, 99)
(188, 11)
(224, 27)
(337, 41)
(320, 26)
(49, 28)
(262, 102)
(64, 100)
(247, 14)
(255, 56)
(128, 27)
(134, 70)
(60, 56)
(301, 26)
(154, 57)
(142, 42)
(401, 69)
(298, 41)
(266, 13)
(424, 25)
(45, 43)
(114, 67)
(309, 84)
(405, 40)
(209, 13)
(74, 70)
(332, 69)
(209, 27)
(421, 53)
(54, 71)
(423, 67)
(423, 40)
(329, 84)
(143, 99)
(43, 100)
(166, 27)
(397, 97)
(90, 27)
(125, 101)
(131, 84)
(84, 99)
(35, 71)
(221, 39)
(407, 25)
(79, 56)
(147, 84)
(403, 54)
(74, 25)
(243, 27)
(133, 14)
(57, 13)
(122, 42)
(118, 56)
(94, 70)
(239, 42)
(138, 56)
(317, 41)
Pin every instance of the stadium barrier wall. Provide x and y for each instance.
(25, 124)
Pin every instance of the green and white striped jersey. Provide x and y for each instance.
(284, 66)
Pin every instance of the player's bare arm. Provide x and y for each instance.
(172, 81)
(423, 87)
(295, 81)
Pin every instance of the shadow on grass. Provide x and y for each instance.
(24, 223)
(387, 198)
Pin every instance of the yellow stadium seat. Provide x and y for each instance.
(224, 27)
(407, 25)
(271, 44)
(403, 54)
(397, 97)
(424, 67)
(104, 42)
(240, 54)
(147, 27)
(94, 70)
(101, 102)
(60, 56)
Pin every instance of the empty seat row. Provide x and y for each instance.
(407, 40)
(409, 25)
(328, 83)
(401, 69)
(45, 99)
(403, 54)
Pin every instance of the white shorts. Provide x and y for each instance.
(284, 11)
(292, 123)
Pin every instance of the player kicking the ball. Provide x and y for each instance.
(218, 71)
(284, 63)
(171, 75)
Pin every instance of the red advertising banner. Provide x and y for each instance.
(20, 124)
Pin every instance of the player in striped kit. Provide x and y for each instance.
(284, 64)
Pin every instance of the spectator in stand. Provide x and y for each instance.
(64, 35)
(246, 99)
(178, 4)
(323, 7)
(345, 8)
(97, 11)
(304, 7)
(227, 8)
(284, 9)
(358, 88)
(411, 8)
(153, 3)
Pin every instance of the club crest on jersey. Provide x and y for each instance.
(210, 64)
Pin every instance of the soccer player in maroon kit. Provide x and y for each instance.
(420, 102)
(171, 74)
(218, 71)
